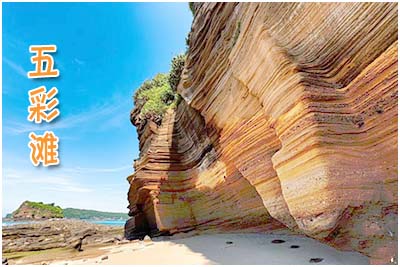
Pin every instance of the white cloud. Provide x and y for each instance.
(103, 170)
(64, 188)
(56, 182)
(68, 188)
(103, 114)
(17, 68)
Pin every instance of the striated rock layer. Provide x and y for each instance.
(289, 119)
(56, 233)
(182, 182)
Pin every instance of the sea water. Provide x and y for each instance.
(7, 223)
(108, 222)
(103, 222)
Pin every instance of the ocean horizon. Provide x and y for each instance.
(102, 222)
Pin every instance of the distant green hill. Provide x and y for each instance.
(29, 210)
(38, 210)
(71, 213)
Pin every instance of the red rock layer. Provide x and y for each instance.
(292, 120)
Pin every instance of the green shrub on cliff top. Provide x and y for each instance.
(40, 206)
(191, 7)
(157, 95)
(177, 65)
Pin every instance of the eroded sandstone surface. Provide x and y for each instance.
(288, 120)
(60, 233)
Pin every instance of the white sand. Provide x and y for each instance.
(213, 249)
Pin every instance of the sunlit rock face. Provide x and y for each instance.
(289, 119)
(183, 182)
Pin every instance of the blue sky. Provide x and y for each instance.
(104, 52)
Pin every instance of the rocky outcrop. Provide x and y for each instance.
(289, 119)
(56, 234)
(30, 210)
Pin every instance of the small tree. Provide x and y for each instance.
(191, 6)
(155, 96)
(177, 65)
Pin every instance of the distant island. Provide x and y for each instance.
(71, 213)
(30, 210)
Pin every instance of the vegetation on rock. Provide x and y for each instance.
(237, 32)
(191, 7)
(177, 65)
(37, 210)
(155, 96)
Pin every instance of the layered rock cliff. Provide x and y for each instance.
(288, 120)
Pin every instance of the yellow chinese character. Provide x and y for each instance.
(37, 110)
(44, 149)
(43, 70)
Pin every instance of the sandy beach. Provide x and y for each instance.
(208, 249)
